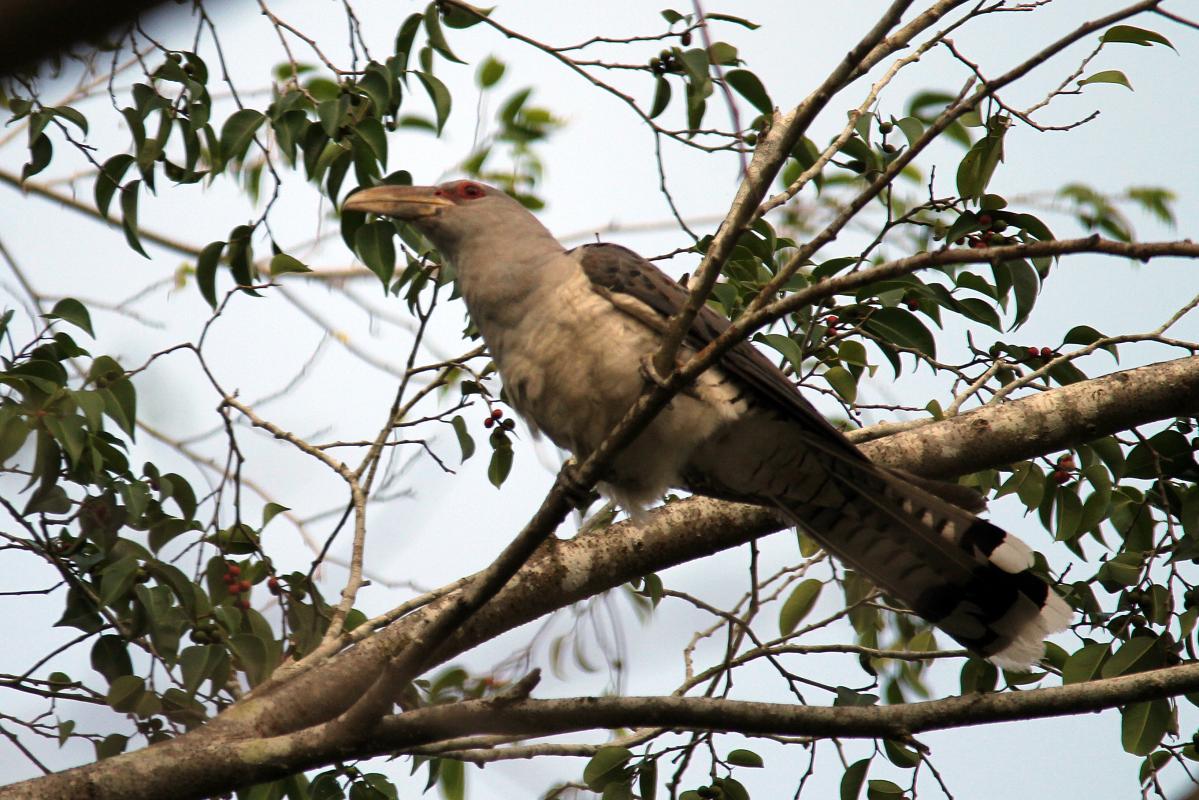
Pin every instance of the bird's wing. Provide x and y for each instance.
(968, 576)
(623, 274)
(619, 270)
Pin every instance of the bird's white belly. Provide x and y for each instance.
(573, 375)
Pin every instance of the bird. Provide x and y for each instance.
(569, 331)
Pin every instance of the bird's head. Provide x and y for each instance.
(454, 216)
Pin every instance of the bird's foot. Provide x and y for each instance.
(578, 494)
(650, 372)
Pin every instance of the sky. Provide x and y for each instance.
(599, 171)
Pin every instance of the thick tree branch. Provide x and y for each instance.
(564, 572)
(549, 717)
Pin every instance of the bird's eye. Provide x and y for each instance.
(472, 190)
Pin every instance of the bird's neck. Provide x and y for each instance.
(498, 278)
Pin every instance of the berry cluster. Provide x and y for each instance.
(1040, 352)
(1065, 468)
(666, 61)
(237, 585)
(987, 238)
(497, 418)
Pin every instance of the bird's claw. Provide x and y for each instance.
(650, 372)
(577, 493)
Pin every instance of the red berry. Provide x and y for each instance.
(985, 220)
(243, 604)
(245, 586)
(960, 242)
(1061, 476)
(831, 320)
(234, 570)
(1046, 352)
(488, 422)
(272, 585)
(1033, 352)
(912, 303)
(496, 413)
(977, 243)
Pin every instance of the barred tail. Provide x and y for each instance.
(965, 575)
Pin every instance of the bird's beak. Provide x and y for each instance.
(402, 202)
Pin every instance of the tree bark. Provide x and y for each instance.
(270, 733)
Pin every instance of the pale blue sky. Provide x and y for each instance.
(600, 169)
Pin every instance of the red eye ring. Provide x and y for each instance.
(471, 190)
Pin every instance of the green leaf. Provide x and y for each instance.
(112, 745)
(898, 326)
(785, 345)
(900, 756)
(41, 151)
(436, 36)
(978, 165)
(253, 654)
(120, 404)
(912, 128)
(442, 102)
(453, 779)
(798, 604)
(1142, 726)
(978, 676)
(71, 310)
(1138, 654)
(129, 215)
(500, 465)
(603, 765)
(1107, 76)
(1025, 284)
(110, 657)
(125, 692)
(843, 383)
(745, 758)
(76, 118)
(747, 84)
(647, 779)
(206, 266)
(371, 131)
(109, 180)
(465, 442)
(1128, 34)
(270, 511)
(283, 263)
(238, 131)
(198, 663)
(13, 433)
(729, 788)
(883, 790)
(117, 580)
(853, 778)
(753, 26)
(490, 72)
(331, 112)
(661, 97)
(460, 18)
(65, 729)
(375, 247)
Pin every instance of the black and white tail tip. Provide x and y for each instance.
(1019, 609)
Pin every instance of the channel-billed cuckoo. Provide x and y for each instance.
(569, 331)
